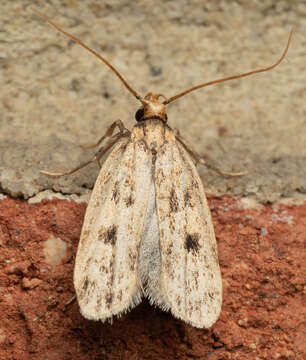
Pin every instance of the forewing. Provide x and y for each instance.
(106, 268)
(190, 279)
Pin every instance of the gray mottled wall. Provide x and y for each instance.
(54, 95)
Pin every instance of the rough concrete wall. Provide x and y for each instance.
(55, 96)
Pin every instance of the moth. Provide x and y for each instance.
(148, 231)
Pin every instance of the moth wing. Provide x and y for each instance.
(106, 268)
(190, 279)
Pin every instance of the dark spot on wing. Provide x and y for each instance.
(172, 224)
(87, 288)
(116, 193)
(103, 269)
(105, 180)
(119, 295)
(211, 295)
(111, 235)
(173, 201)
(108, 299)
(110, 281)
(111, 263)
(169, 270)
(98, 304)
(187, 198)
(101, 232)
(192, 242)
(88, 261)
(195, 185)
(132, 260)
(196, 279)
(99, 301)
(129, 201)
(108, 235)
(169, 249)
(85, 284)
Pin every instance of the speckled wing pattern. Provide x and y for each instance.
(190, 283)
(106, 267)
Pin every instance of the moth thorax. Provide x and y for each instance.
(152, 109)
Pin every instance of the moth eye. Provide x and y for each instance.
(139, 114)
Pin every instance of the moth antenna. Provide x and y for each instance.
(233, 77)
(138, 97)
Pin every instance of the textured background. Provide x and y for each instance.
(55, 96)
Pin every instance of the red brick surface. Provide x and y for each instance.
(262, 257)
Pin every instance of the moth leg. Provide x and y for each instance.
(114, 139)
(97, 157)
(109, 132)
(201, 160)
(221, 172)
(58, 174)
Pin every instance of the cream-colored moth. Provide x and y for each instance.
(148, 230)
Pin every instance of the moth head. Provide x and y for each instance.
(152, 108)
